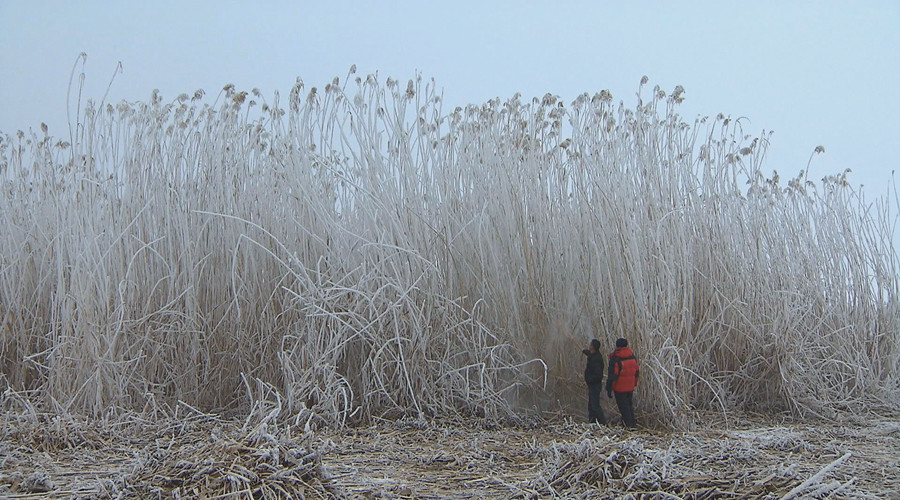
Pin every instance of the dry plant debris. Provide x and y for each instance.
(199, 457)
(207, 457)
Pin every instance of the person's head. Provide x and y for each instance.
(621, 343)
(595, 345)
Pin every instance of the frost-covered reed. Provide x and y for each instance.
(357, 252)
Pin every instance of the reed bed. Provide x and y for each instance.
(356, 252)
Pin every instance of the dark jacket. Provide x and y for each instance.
(623, 370)
(593, 370)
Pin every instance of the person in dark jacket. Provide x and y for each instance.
(593, 377)
(623, 378)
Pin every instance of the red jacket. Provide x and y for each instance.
(623, 370)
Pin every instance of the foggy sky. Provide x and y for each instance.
(817, 73)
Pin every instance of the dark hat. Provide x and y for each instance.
(621, 343)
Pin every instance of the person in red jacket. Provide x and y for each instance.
(623, 378)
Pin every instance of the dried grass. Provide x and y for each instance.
(194, 455)
(183, 455)
(567, 460)
(357, 253)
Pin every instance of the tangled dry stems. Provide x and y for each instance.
(184, 453)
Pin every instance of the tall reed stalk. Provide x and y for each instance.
(357, 252)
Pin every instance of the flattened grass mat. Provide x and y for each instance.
(203, 456)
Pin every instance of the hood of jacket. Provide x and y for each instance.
(622, 352)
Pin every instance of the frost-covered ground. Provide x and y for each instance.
(203, 456)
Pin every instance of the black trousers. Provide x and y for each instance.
(626, 408)
(595, 413)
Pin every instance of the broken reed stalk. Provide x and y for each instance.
(815, 478)
(360, 253)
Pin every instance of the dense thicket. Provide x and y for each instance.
(358, 252)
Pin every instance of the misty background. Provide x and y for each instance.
(815, 73)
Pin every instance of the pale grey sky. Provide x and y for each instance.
(823, 72)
